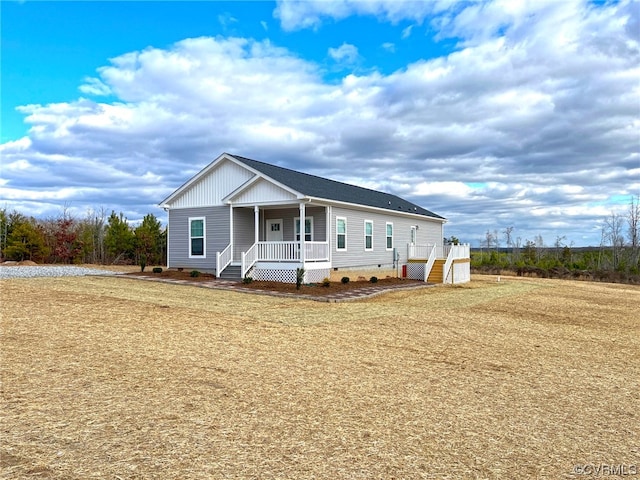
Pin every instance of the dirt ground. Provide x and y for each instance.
(107, 377)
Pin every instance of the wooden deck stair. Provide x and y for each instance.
(435, 276)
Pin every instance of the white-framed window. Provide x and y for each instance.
(197, 237)
(341, 233)
(308, 229)
(414, 235)
(389, 236)
(368, 234)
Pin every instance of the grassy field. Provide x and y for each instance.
(123, 379)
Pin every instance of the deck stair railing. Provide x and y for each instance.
(431, 260)
(249, 259)
(223, 259)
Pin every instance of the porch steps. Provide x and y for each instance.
(232, 272)
(435, 276)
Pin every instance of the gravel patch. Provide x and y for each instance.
(23, 271)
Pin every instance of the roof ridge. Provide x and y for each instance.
(271, 165)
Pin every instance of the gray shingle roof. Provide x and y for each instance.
(319, 187)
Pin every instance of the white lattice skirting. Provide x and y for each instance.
(415, 271)
(288, 275)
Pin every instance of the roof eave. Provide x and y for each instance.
(377, 209)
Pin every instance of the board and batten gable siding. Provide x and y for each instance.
(429, 232)
(263, 191)
(216, 236)
(213, 187)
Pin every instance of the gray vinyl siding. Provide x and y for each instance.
(356, 256)
(216, 236)
(243, 231)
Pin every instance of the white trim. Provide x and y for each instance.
(370, 249)
(296, 223)
(386, 236)
(204, 237)
(194, 179)
(359, 206)
(338, 249)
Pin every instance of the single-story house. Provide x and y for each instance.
(239, 217)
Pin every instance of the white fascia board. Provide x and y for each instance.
(241, 188)
(258, 176)
(195, 178)
(386, 211)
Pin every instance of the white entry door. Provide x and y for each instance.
(274, 230)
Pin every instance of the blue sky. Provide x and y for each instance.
(492, 114)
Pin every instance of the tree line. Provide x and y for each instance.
(617, 258)
(95, 238)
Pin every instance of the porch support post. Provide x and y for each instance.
(231, 230)
(329, 237)
(302, 232)
(256, 222)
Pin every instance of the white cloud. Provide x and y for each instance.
(406, 32)
(296, 15)
(389, 47)
(533, 117)
(345, 53)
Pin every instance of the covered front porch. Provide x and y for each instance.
(268, 242)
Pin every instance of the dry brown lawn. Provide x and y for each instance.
(119, 378)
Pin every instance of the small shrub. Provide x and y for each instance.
(326, 282)
(247, 280)
(157, 269)
(299, 277)
(194, 273)
(345, 280)
(373, 279)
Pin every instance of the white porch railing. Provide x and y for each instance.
(249, 258)
(223, 259)
(286, 251)
(316, 251)
(457, 251)
(422, 252)
(283, 252)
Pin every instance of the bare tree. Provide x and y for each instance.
(633, 220)
(558, 244)
(507, 233)
(612, 235)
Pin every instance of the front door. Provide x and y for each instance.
(274, 230)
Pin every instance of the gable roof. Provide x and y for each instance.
(324, 188)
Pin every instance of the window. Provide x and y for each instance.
(368, 235)
(389, 236)
(414, 231)
(308, 229)
(341, 233)
(196, 237)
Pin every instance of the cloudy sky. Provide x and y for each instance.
(493, 114)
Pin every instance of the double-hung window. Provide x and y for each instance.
(197, 237)
(368, 235)
(308, 229)
(341, 233)
(389, 236)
